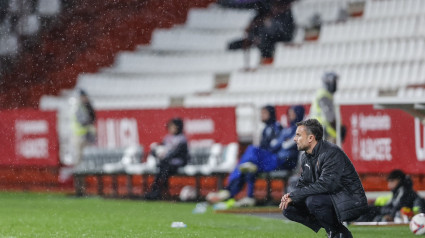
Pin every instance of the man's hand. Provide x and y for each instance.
(285, 201)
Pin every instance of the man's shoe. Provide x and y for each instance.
(215, 197)
(343, 232)
(248, 167)
(153, 195)
(225, 205)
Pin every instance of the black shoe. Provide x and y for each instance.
(153, 195)
(345, 232)
(239, 44)
(342, 232)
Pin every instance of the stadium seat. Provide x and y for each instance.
(328, 10)
(131, 155)
(9, 44)
(370, 29)
(393, 8)
(141, 85)
(48, 7)
(184, 39)
(217, 18)
(219, 62)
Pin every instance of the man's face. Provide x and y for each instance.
(392, 183)
(302, 139)
(172, 129)
(291, 115)
(265, 115)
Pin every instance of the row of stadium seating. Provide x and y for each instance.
(374, 51)
(306, 55)
(381, 76)
(153, 63)
(372, 29)
(393, 8)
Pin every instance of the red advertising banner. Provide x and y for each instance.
(383, 140)
(378, 141)
(122, 128)
(29, 137)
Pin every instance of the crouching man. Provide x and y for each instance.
(329, 191)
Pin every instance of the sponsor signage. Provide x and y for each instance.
(383, 140)
(380, 140)
(28, 138)
(201, 126)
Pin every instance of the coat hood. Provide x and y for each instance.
(299, 112)
(272, 113)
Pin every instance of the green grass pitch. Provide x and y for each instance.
(57, 215)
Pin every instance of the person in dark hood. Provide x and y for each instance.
(281, 154)
(403, 195)
(172, 153)
(272, 127)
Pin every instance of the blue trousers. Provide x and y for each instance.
(265, 161)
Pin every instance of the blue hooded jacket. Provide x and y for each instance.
(285, 148)
(271, 130)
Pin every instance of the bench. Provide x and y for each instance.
(100, 161)
(212, 160)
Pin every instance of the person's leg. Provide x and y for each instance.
(266, 47)
(250, 181)
(299, 213)
(160, 183)
(251, 154)
(321, 207)
(236, 184)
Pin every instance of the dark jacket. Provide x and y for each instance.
(403, 196)
(271, 130)
(177, 153)
(328, 170)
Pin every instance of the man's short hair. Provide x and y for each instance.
(314, 127)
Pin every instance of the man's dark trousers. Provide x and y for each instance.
(315, 212)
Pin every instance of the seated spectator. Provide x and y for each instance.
(273, 23)
(282, 154)
(388, 207)
(171, 154)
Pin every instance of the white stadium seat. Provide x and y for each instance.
(184, 39)
(216, 18)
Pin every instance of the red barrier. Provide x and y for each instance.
(28, 138)
(123, 128)
(383, 140)
(378, 141)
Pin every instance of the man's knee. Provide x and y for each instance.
(289, 212)
(314, 203)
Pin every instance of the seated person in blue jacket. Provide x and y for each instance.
(172, 153)
(281, 153)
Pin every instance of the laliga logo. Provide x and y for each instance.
(419, 141)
